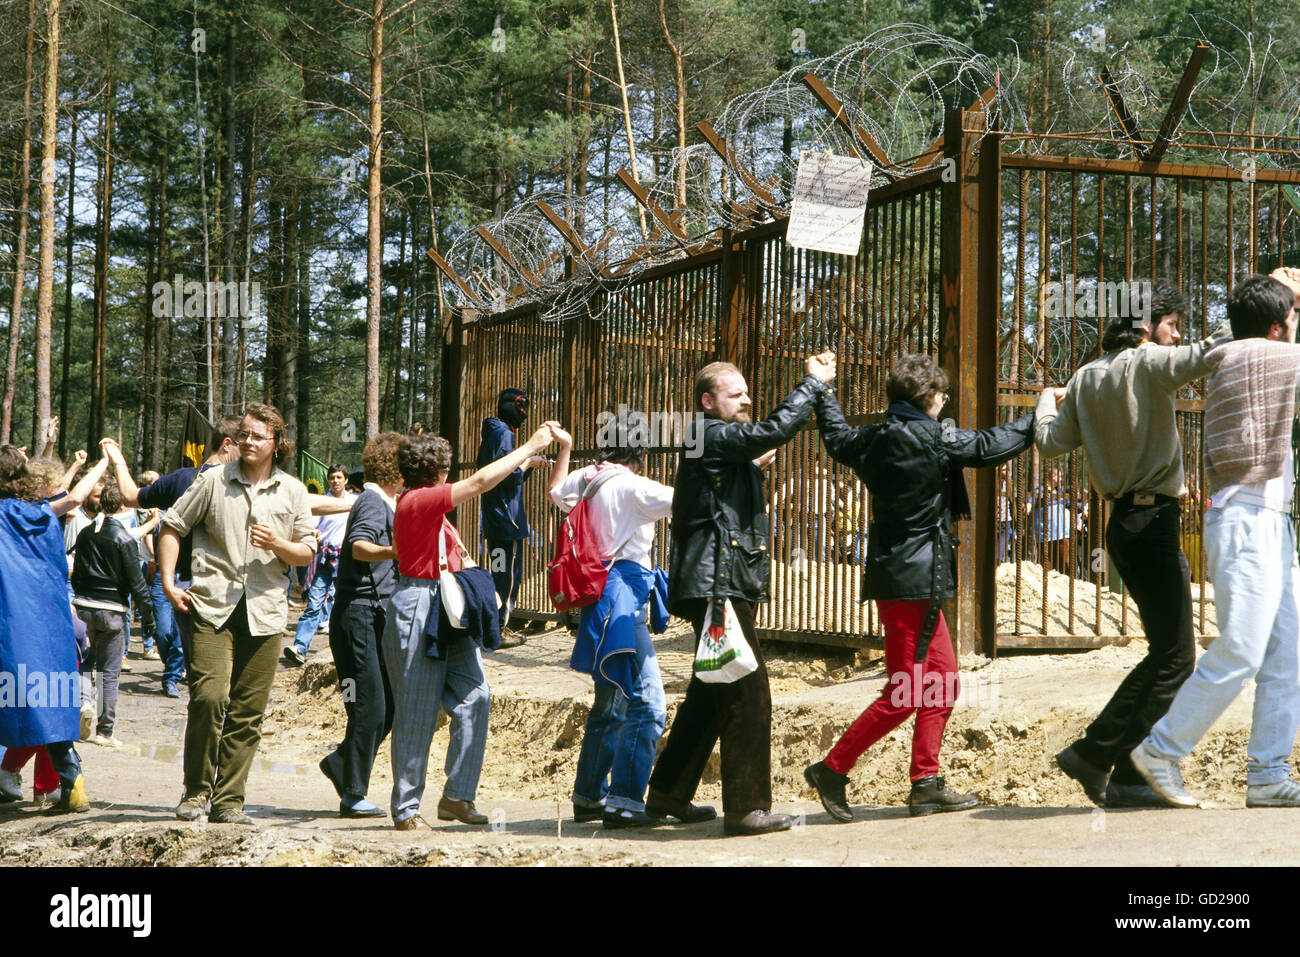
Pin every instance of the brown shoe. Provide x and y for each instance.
(412, 823)
(463, 811)
(512, 639)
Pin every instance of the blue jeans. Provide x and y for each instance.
(168, 632)
(1252, 561)
(618, 746)
(320, 601)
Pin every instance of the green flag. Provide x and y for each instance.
(313, 473)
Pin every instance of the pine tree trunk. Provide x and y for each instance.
(64, 425)
(24, 183)
(103, 226)
(161, 329)
(303, 403)
(228, 224)
(45, 281)
(374, 221)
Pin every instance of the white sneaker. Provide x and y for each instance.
(106, 741)
(151, 655)
(1284, 793)
(11, 786)
(87, 721)
(1165, 777)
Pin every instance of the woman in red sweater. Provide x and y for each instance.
(426, 542)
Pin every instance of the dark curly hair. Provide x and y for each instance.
(915, 379)
(422, 458)
(1128, 332)
(16, 481)
(379, 458)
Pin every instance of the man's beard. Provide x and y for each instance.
(742, 416)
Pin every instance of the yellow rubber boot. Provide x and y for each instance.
(74, 801)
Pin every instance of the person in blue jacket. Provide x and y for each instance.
(505, 526)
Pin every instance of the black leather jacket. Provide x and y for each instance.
(720, 523)
(907, 466)
(107, 568)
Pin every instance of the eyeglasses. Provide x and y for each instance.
(241, 436)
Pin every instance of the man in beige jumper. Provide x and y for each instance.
(1251, 548)
(1120, 409)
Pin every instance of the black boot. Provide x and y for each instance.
(931, 796)
(830, 787)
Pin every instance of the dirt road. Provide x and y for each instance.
(1015, 714)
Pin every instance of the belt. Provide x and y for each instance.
(1145, 500)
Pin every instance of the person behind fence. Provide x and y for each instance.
(366, 576)
(1120, 409)
(162, 493)
(105, 572)
(720, 556)
(36, 631)
(251, 521)
(430, 663)
(322, 571)
(1250, 404)
(912, 467)
(504, 518)
(613, 643)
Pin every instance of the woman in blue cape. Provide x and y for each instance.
(40, 696)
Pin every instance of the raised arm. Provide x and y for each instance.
(81, 491)
(843, 442)
(490, 475)
(130, 491)
(78, 460)
(560, 470)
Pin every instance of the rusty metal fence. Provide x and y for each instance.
(955, 263)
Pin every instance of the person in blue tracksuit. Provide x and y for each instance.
(505, 526)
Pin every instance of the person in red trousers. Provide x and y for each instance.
(912, 468)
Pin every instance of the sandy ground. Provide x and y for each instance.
(1014, 714)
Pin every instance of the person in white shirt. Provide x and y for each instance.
(613, 643)
(320, 592)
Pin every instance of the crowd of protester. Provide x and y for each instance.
(202, 556)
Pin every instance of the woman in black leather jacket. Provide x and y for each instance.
(911, 465)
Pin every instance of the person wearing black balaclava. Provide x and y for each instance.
(505, 526)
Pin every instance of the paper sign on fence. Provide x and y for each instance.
(830, 203)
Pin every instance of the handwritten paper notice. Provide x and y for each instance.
(830, 203)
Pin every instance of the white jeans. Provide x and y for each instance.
(1251, 554)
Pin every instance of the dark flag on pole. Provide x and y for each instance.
(194, 439)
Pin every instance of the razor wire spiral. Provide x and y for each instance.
(897, 85)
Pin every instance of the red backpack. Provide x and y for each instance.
(576, 576)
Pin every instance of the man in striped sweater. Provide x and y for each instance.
(1250, 545)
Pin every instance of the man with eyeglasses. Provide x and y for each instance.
(250, 521)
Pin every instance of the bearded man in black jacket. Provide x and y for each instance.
(912, 468)
(720, 552)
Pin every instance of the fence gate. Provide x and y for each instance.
(958, 261)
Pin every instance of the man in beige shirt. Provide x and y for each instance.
(1120, 409)
(250, 521)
